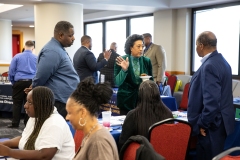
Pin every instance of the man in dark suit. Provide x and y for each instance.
(108, 70)
(210, 106)
(85, 62)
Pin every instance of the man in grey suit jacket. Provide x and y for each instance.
(157, 55)
(85, 62)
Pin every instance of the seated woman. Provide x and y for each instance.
(150, 109)
(82, 108)
(46, 136)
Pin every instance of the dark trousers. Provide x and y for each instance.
(212, 144)
(61, 108)
(19, 99)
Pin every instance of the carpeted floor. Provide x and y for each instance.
(9, 132)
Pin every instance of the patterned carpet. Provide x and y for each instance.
(9, 132)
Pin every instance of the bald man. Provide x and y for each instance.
(108, 70)
(210, 104)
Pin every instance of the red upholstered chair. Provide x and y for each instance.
(170, 138)
(130, 152)
(78, 137)
(225, 155)
(5, 74)
(184, 102)
(172, 80)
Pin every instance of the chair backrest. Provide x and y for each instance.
(184, 101)
(185, 79)
(170, 138)
(78, 137)
(5, 74)
(225, 154)
(172, 80)
(131, 150)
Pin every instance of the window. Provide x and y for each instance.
(94, 30)
(224, 22)
(104, 32)
(138, 25)
(116, 32)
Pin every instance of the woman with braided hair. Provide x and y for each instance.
(46, 135)
(82, 108)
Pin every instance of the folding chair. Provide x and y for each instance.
(138, 147)
(78, 137)
(130, 152)
(5, 76)
(172, 80)
(225, 155)
(170, 138)
(184, 102)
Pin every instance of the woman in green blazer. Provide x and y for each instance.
(127, 70)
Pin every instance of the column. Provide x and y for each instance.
(5, 41)
(165, 34)
(172, 30)
(46, 17)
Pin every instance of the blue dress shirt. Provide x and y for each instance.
(55, 71)
(23, 66)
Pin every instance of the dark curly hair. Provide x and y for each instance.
(92, 95)
(130, 42)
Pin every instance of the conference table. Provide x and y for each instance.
(169, 101)
(6, 97)
(233, 140)
(6, 101)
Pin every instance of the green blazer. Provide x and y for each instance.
(128, 84)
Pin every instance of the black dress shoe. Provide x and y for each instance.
(12, 126)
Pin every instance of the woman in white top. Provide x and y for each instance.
(46, 136)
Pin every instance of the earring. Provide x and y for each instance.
(82, 124)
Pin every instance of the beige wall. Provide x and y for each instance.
(171, 30)
(28, 33)
(3, 68)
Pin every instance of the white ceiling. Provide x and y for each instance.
(101, 9)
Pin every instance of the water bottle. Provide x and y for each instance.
(160, 88)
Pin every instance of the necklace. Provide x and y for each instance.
(87, 136)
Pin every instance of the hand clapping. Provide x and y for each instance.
(122, 62)
(107, 54)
